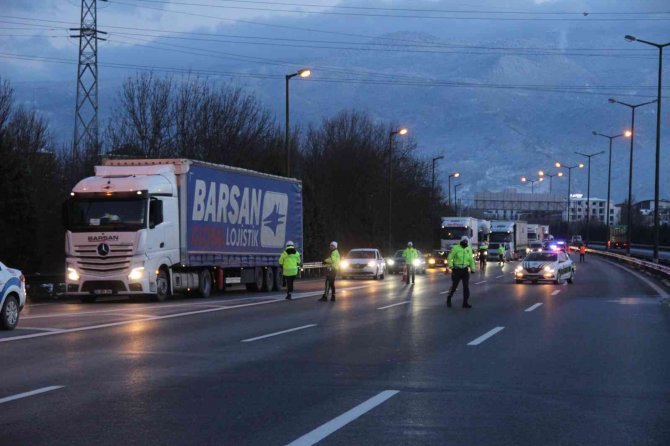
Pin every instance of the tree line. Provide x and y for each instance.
(343, 163)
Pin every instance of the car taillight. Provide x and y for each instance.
(22, 278)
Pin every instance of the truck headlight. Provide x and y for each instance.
(136, 273)
(72, 274)
(372, 264)
(416, 262)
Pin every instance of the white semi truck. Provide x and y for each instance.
(164, 226)
(514, 237)
(453, 228)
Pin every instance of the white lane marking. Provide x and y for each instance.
(444, 292)
(555, 292)
(498, 277)
(394, 305)
(258, 338)
(485, 336)
(19, 396)
(661, 292)
(153, 318)
(532, 307)
(38, 328)
(335, 424)
(479, 283)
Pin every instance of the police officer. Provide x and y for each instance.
(289, 261)
(501, 253)
(460, 259)
(333, 262)
(409, 254)
(483, 252)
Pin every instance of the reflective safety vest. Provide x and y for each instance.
(460, 257)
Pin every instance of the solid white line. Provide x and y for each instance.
(555, 292)
(656, 288)
(257, 338)
(532, 307)
(27, 394)
(498, 277)
(478, 283)
(39, 329)
(485, 336)
(394, 305)
(335, 424)
(157, 318)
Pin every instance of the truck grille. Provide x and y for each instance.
(118, 259)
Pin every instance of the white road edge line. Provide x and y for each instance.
(19, 396)
(555, 292)
(258, 338)
(335, 424)
(157, 318)
(394, 305)
(532, 307)
(485, 336)
(661, 292)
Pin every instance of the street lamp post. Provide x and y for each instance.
(658, 138)
(432, 197)
(558, 166)
(453, 175)
(456, 186)
(305, 72)
(630, 166)
(627, 134)
(551, 176)
(392, 133)
(588, 193)
(532, 182)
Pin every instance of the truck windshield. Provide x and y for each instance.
(501, 237)
(454, 233)
(105, 214)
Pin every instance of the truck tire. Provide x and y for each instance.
(268, 279)
(204, 284)
(258, 284)
(162, 285)
(10, 313)
(276, 286)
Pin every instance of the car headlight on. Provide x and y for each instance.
(518, 269)
(136, 273)
(344, 264)
(371, 264)
(72, 274)
(390, 262)
(548, 269)
(431, 261)
(416, 262)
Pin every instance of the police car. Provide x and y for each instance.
(554, 266)
(12, 296)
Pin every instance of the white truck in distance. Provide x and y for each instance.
(513, 235)
(453, 228)
(157, 227)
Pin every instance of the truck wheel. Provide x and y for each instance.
(10, 313)
(162, 285)
(205, 284)
(268, 279)
(257, 285)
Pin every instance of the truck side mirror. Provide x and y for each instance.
(155, 213)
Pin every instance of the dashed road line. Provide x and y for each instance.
(394, 305)
(485, 336)
(498, 277)
(19, 396)
(277, 333)
(444, 292)
(335, 424)
(532, 307)
(555, 292)
(479, 283)
(39, 328)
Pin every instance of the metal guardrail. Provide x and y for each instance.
(645, 265)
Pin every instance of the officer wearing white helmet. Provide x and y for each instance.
(333, 263)
(290, 263)
(459, 260)
(410, 254)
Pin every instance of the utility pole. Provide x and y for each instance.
(86, 129)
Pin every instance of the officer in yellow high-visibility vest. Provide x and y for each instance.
(459, 260)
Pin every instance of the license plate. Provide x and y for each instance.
(102, 291)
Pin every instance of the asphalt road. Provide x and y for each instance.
(581, 364)
(645, 253)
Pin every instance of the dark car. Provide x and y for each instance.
(438, 259)
(396, 264)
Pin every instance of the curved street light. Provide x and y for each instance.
(399, 131)
(558, 165)
(303, 73)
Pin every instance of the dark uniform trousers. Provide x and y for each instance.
(458, 275)
(330, 280)
(289, 283)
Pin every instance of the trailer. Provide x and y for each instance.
(164, 226)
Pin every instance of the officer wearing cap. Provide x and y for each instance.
(290, 262)
(459, 260)
(333, 263)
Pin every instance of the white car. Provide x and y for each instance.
(363, 263)
(12, 296)
(545, 266)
